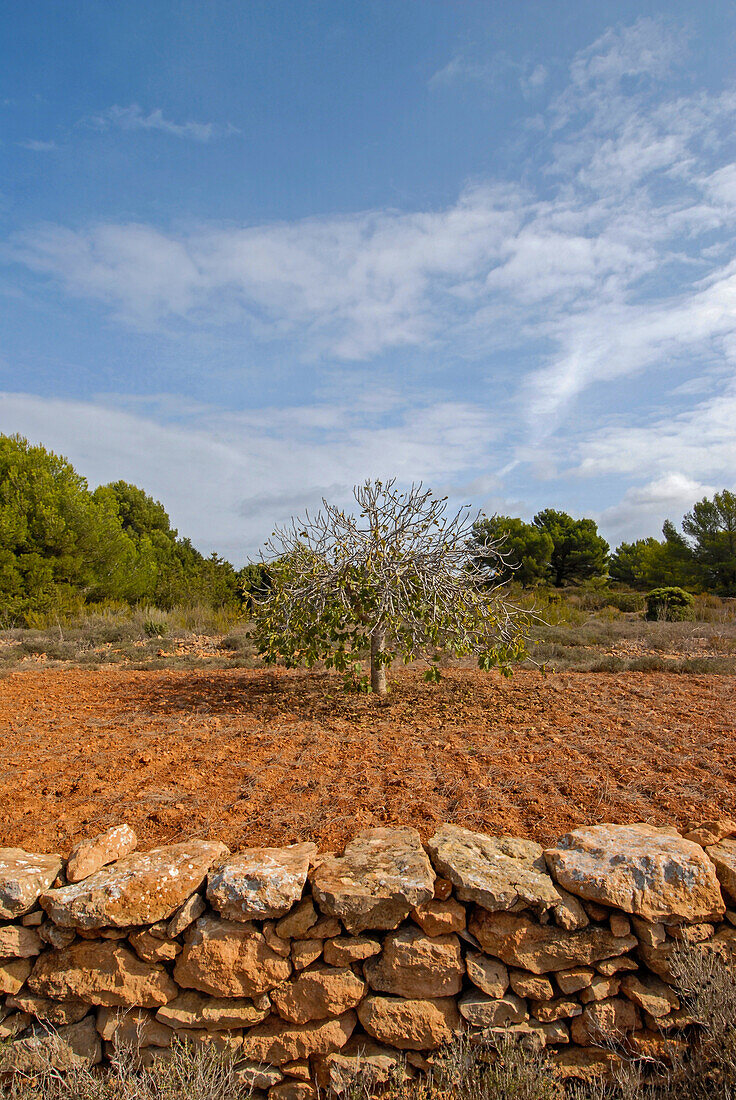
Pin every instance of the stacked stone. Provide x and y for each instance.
(312, 969)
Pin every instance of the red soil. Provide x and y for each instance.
(252, 757)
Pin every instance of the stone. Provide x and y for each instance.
(362, 1064)
(13, 974)
(410, 1024)
(641, 869)
(438, 918)
(652, 933)
(326, 928)
(673, 1021)
(519, 942)
(562, 1008)
(300, 1068)
(345, 950)
(657, 959)
(692, 933)
(152, 949)
(293, 1090)
(17, 942)
(141, 888)
(556, 1033)
(47, 1010)
(600, 989)
(12, 1025)
(416, 966)
(138, 1027)
(186, 914)
(101, 973)
(723, 856)
(281, 947)
(527, 1036)
(228, 959)
(569, 913)
(194, 1010)
(276, 1041)
(585, 1064)
(89, 855)
(305, 952)
(650, 994)
(595, 911)
(260, 882)
(56, 937)
(534, 986)
(490, 975)
(604, 1021)
(483, 1011)
(23, 877)
(499, 873)
(619, 924)
(63, 1048)
(256, 1075)
(32, 920)
(296, 924)
(317, 993)
(607, 967)
(225, 1041)
(383, 874)
(575, 979)
(712, 832)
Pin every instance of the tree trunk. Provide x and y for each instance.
(378, 671)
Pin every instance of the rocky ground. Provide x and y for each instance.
(249, 757)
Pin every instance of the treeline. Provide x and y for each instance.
(557, 550)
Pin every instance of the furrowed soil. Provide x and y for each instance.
(251, 757)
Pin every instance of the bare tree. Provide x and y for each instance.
(396, 576)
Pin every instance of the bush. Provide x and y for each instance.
(671, 605)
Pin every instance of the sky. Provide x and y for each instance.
(255, 252)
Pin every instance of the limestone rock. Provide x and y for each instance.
(648, 871)
(293, 1090)
(47, 1010)
(256, 1075)
(317, 993)
(569, 913)
(305, 952)
(33, 919)
(17, 942)
(410, 1024)
(13, 974)
(362, 1064)
(345, 950)
(227, 1041)
(438, 918)
(277, 1041)
(64, 1047)
(281, 947)
(723, 856)
(383, 874)
(101, 973)
(556, 1033)
(326, 928)
(300, 1068)
(194, 1010)
(56, 937)
(534, 986)
(496, 872)
(586, 1064)
(89, 855)
(138, 1027)
(575, 979)
(619, 924)
(600, 989)
(296, 924)
(562, 1008)
(260, 882)
(650, 994)
(604, 1021)
(518, 941)
(141, 888)
(23, 877)
(712, 832)
(657, 959)
(652, 933)
(186, 914)
(228, 959)
(490, 975)
(152, 949)
(417, 966)
(483, 1011)
(12, 1025)
(607, 967)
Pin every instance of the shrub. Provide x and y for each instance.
(672, 605)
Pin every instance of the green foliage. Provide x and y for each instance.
(579, 553)
(711, 528)
(670, 604)
(525, 550)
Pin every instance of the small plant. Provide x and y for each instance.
(671, 605)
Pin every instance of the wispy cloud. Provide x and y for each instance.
(135, 118)
(38, 146)
(466, 67)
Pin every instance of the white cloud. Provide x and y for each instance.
(643, 509)
(135, 118)
(38, 146)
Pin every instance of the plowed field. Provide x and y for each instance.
(250, 757)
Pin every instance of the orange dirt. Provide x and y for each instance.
(252, 757)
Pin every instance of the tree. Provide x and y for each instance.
(711, 530)
(579, 553)
(395, 577)
(525, 550)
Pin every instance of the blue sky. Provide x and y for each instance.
(254, 252)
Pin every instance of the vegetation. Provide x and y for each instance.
(395, 578)
(673, 605)
(554, 549)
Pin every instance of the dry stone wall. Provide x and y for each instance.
(309, 968)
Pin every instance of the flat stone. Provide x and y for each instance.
(619, 924)
(300, 1068)
(228, 959)
(652, 933)
(141, 888)
(600, 989)
(13, 974)
(317, 993)
(410, 1024)
(561, 1008)
(101, 973)
(383, 874)
(151, 948)
(260, 882)
(490, 975)
(534, 986)
(569, 913)
(345, 950)
(650, 994)
(64, 1048)
(712, 831)
(362, 1064)
(608, 967)
(584, 1064)
(604, 1021)
(138, 1027)
(89, 855)
(186, 914)
(417, 966)
(17, 942)
(520, 942)
(440, 918)
(56, 937)
(195, 1010)
(574, 979)
(47, 1010)
(305, 952)
(293, 1090)
(226, 1041)
(723, 857)
(277, 1041)
(296, 924)
(483, 1011)
(499, 873)
(23, 877)
(13, 1024)
(641, 869)
(256, 1075)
